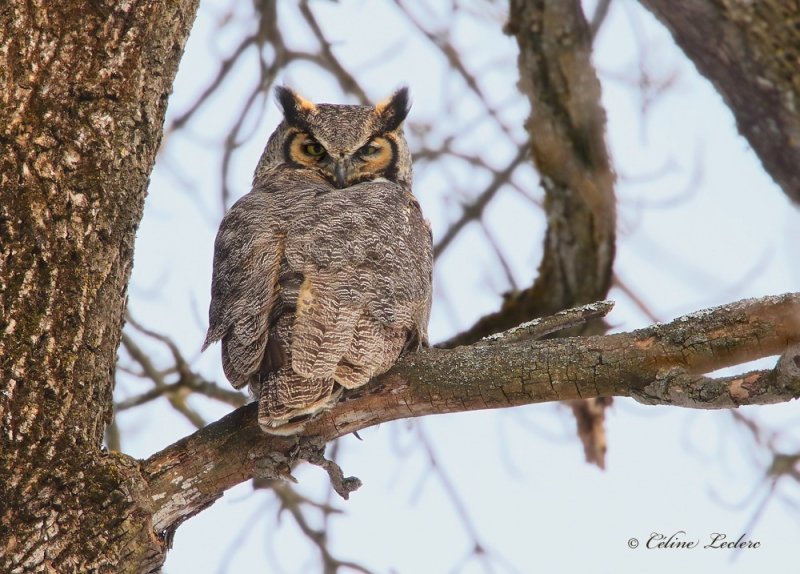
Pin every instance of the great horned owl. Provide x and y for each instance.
(322, 273)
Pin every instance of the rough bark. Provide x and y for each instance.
(750, 52)
(657, 365)
(84, 89)
(567, 137)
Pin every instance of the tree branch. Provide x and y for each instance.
(543, 326)
(192, 473)
(474, 210)
(567, 141)
(749, 51)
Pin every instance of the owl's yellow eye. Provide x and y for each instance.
(369, 149)
(314, 149)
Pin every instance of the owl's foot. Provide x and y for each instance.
(312, 450)
(277, 466)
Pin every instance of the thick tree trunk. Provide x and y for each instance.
(567, 140)
(84, 88)
(751, 53)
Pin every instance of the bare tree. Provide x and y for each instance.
(84, 93)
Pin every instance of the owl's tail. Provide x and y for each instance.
(286, 399)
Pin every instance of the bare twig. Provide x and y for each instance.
(479, 549)
(475, 209)
(188, 381)
(451, 53)
(225, 68)
(599, 16)
(293, 503)
(346, 80)
(640, 304)
(498, 252)
(195, 385)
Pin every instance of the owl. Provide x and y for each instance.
(322, 273)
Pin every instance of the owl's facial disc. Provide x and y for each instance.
(347, 144)
(374, 159)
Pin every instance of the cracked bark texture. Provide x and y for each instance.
(750, 52)
(661, 364)
(84, 90)
(567, 137)
(567, 134)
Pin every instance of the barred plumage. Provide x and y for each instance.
(322, 273)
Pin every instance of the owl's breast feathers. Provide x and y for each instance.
(317, 288)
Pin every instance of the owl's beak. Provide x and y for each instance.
(340, 173)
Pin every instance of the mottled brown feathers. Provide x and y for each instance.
(322, 277)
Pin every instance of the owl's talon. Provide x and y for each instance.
(313, 452)
(274, 467)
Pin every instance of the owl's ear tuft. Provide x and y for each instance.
(394, 109)
(296, 108)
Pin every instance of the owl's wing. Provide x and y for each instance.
(247, 255)
(403, 282)
(366, 258)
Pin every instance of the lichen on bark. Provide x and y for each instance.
(83, 93)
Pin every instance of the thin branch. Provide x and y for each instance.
(562, 320)
(188, 381)
(346, 80)
(635, 299)
(475, 209)
(455, 60)
(225, 68)
(780, 465)
(194, 385)
(292, 503)
(178, 402)
(599, 16)
(479, 548)
(498, 253)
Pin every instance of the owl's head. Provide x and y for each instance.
(345, 144)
